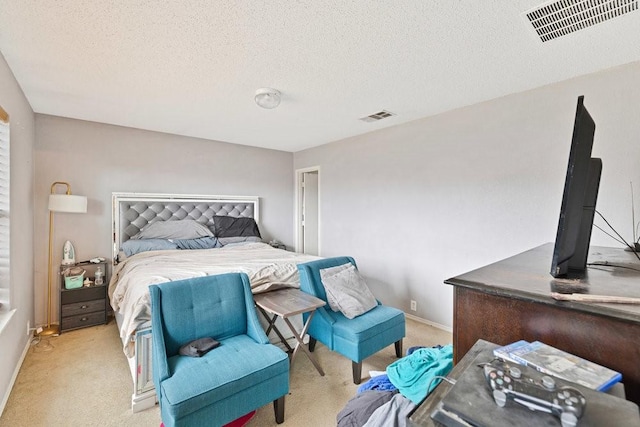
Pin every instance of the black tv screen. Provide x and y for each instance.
(578, 200)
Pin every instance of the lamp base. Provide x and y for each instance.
(50, 331)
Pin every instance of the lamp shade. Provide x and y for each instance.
(67, 203)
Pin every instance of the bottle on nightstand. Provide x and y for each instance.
(99, 276)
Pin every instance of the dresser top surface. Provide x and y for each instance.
(610, 272)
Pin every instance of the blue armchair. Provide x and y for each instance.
(244, 373)
(356, 338)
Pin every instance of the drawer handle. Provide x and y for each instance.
(84, 319)
(84, 306)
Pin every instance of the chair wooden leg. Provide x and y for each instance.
(278, 409)
(356, 367)
(398, 345)
(312, 344)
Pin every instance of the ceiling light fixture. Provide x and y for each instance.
(267, 98)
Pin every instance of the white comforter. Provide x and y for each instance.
(267, 268)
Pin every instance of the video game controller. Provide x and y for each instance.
(534, 390)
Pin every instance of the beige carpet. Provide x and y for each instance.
(82, 379)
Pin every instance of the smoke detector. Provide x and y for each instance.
(267, 98)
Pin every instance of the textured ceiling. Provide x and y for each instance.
(191, 67)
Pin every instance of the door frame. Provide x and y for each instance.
(297, 232)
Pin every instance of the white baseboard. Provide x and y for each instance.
(429, 322)
(143, 401)
(14, 376)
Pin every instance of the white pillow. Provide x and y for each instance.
(177, 229)
(325, 273)
(349, 291)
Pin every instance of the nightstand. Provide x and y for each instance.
(87, 305)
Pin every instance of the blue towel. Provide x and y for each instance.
(379, 383)
(417, 347)
(412, 349)
(414, 373)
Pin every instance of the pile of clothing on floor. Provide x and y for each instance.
(388, 397)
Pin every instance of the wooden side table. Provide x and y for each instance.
(286, 303)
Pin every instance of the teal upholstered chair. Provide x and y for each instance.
(356, 338)
(244, 373)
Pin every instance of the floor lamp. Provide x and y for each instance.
(59, 203)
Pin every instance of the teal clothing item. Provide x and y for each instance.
(414, 373)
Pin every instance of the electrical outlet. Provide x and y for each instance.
(414, 305)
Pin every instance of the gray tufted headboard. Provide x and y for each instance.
(132, 211)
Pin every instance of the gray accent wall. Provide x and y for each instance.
(421, 202)
(98, 159)
(13, 336)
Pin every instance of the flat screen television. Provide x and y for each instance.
(578, 200)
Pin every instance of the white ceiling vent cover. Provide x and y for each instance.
(377, 116)
(559, 18)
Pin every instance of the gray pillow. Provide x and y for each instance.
(326, 273)
(132, 247)
(229, 226)
(349, 292)
(199, 243)
(181, 229)
(238, 239)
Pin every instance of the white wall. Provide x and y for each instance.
(13, 337)
(98, 159)
(418, 203)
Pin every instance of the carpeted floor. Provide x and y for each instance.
(81, 378)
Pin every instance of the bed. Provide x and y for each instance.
(142, 255)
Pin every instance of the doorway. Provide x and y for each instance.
(308, 210)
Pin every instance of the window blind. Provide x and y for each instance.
(4, 209)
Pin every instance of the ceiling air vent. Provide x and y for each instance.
(377, 116)
(559, 18)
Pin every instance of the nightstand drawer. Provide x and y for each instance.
(82, 320)
(83, 307)
(69, 296)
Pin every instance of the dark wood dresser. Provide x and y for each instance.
(511, 300)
